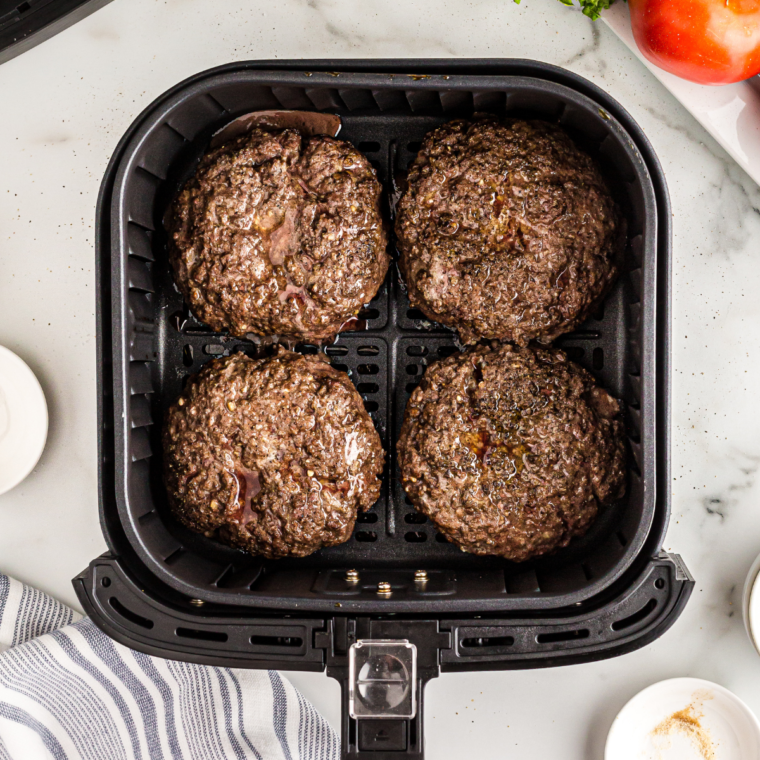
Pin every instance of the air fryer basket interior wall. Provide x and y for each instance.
(386, 116)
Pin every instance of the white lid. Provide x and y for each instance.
(23, 420)
(684, 719)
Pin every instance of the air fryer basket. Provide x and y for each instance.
(156, 345)
(168, 593)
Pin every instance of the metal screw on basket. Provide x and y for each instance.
(197, 602)
(421, 576)
(384, 588)
(352, 576)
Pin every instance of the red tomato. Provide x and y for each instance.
(706, 41)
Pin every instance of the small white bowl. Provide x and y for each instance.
(751, 604)
(23, 420)
(684, 719)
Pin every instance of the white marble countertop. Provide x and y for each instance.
(66, 103)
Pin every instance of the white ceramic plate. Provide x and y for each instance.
(730, 113)
(23, 420)
(751, 604)
(684, 719)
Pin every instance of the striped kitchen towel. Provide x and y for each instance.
(67, 691)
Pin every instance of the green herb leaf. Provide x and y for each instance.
(590, 8)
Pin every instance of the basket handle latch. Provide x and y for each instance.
(382, 681)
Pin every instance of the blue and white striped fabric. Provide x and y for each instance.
(67, 691)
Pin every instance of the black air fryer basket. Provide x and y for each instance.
(166, 591)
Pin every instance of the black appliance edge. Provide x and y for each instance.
(214, 635)
(22, 30)
(433, 638)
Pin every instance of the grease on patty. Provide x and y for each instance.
(511, 451)
(279, 234)
(274, 456)
(507, 230)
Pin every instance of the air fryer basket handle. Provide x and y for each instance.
(636, 617)
(170, 626)
(383, 739)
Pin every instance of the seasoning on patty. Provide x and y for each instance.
(279, 234)
(507, 230)
(274, 456)
(511, 451)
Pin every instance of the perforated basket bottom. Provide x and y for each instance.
(386, 362)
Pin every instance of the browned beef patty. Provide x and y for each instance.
(506, 230)
(511, 451)
(279, 234)
(273, 456)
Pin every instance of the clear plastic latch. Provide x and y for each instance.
(382, 675)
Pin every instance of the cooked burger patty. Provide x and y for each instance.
(506, 230)
(511, 451)
(279, 234)
(273, 456)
